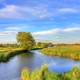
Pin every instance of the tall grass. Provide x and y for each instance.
(7, 53)
(45, 74)
(67, 51)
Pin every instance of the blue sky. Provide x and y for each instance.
(54, 20)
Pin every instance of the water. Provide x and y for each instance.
(11, 70)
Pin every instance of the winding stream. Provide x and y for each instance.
(11, 70)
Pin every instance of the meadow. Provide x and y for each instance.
(63, 50)
(6, 52)
(71, 51)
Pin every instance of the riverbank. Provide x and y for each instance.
(7, 53)
(67, 51)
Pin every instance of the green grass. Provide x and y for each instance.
(44, 74)
(7, 52)
(67, 51)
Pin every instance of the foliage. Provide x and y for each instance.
(25, 40)
(43, 45)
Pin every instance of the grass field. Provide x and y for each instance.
(7, 52)
(67, 51)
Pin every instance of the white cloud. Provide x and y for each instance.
(10, 11)
(55, 31)
(31, 12)
(14, 28)
(48, 32)
(7, 33)
(17, 28)
(40, 11)
(41, 33)
(2, 33)
(13, 11)
(68, 10)
(72, 29)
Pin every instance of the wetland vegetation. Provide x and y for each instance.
(71, 51)
(45, 74)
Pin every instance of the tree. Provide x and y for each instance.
(43, 45)
(25, 40)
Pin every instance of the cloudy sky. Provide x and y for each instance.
(56, 20)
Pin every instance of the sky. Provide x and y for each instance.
(52, 20)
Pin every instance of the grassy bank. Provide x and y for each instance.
(7, 53)
(67, 51)
(45, 74)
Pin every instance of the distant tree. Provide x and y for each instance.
(25, 40)
(44, 45)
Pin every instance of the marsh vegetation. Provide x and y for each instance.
(45, 74)
(71, 51)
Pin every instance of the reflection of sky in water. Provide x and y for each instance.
(57, 64)
(12, 68)
(59, 67)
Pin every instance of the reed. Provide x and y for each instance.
(67, 51)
